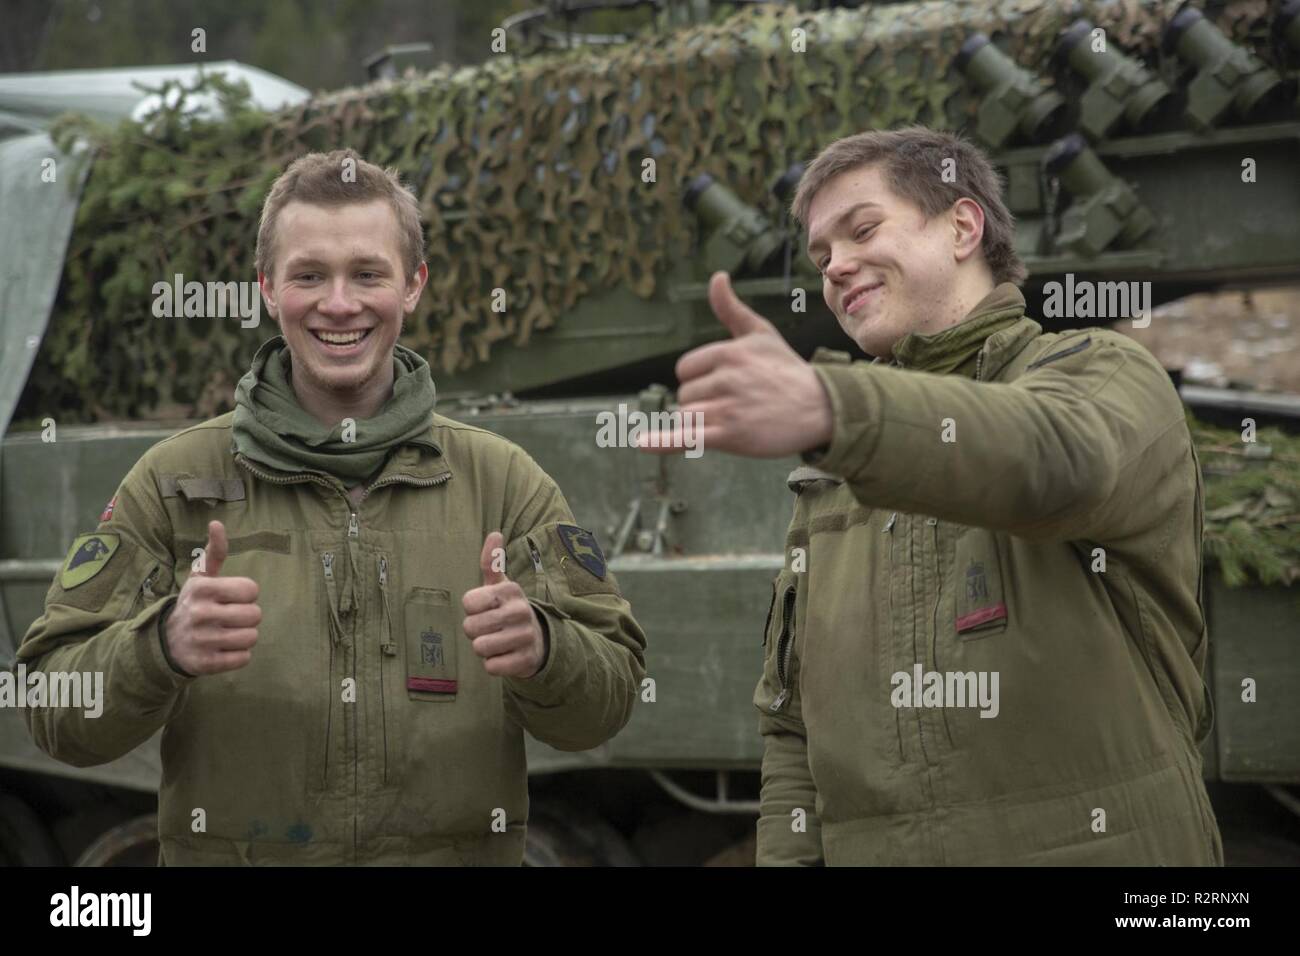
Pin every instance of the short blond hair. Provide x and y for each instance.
(912, 159)
(317, 178)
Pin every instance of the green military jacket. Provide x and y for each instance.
(365, 729)
(1034, 513)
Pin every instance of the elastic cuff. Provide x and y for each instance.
(154, 663)
(545, 687)
(853, 428)
(162, 642)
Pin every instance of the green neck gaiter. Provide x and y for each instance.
(942, 352)
(271, 427)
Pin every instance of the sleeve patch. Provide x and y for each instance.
(583, 548)
(89, 554)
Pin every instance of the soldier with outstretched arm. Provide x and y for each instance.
(341, 608)
(987, 645)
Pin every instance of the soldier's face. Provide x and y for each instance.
(886, 269)
(338, 275)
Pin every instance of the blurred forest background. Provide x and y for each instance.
(318, 44)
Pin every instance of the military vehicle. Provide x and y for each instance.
(579, 187)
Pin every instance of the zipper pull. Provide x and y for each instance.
(388, 646)
(537, 558)
(780, 699)
(147, 587)
(336, 629)
(353, 529)
(889, 525)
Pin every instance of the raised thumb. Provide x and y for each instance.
(493, 559)
(214, 554)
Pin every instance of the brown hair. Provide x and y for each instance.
(912, 159)
(317, 178)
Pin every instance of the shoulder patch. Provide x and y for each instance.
(108, 509)
(89, 554)
(582, 547)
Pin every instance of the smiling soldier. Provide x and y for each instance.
(341, 608)
(986, 501)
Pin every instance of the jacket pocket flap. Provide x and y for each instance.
(193, 489)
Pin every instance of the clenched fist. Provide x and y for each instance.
(499, 621)
(213, 626)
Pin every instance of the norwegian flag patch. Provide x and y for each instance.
(108, 509)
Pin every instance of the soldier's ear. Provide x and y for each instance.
(414, 286)
(268, 296)
(967, 227)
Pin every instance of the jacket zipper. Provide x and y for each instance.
(336, 626)
(938, 600)
(933, 525)
(293, 479)
(784, 647)
(146, 593)
(336, 635)
(350, 601)
(917, 654)
(389, 649)
(388, 646)
(407, 480)
(537, 566)
(898, 718)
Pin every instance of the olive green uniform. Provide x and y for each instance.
(956, 522)
(365, 729)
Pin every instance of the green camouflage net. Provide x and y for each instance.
(529, 172)
(1252, 503)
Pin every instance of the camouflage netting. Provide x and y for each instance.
(529, 175)
(1252, 503)
(528, 171)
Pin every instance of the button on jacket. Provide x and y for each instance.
(1034, 513)
(365, 729)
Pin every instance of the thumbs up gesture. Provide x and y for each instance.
(753, 393)
(213, 626)
(500, 623)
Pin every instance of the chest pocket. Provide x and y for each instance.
(980, 599)
(431, 627)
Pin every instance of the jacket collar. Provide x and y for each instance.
(409, 463)
(413, 463)
(978, 346)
